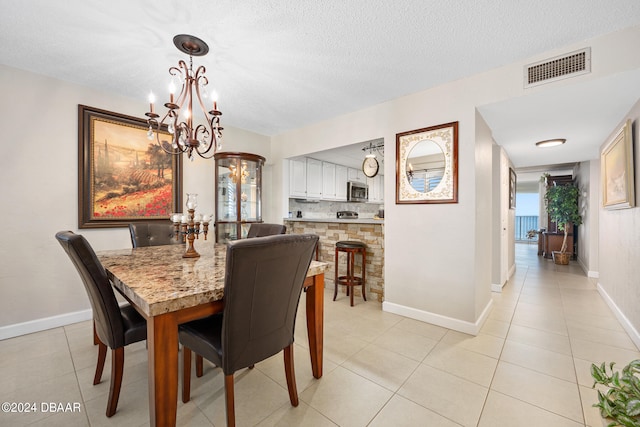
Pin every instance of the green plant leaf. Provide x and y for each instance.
(633, 407)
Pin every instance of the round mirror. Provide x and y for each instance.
(425, 166)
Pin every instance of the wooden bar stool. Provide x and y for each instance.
(351, 247)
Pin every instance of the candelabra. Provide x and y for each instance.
(188, 226)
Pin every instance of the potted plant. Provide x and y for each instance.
(562, 207)
(620, 401)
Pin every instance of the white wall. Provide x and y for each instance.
(619, 251)
(502, 221)
(587, 177)
(39, 181)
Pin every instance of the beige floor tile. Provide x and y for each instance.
(57, 389)
(539, 338)
(502, 410)
(604, 321)
(133, 407)
(502, 314)
(463, 363)
(256, 396)
(445, 394)
(273, 367)
(482, 343)
(592, 415)
(339, 346)
(303, 415)
(540, 321)
(401, 412)
(496, 328)
(383, 367)
(346, 398)
(417, 327)
(599, 353)
(600, 335)
(552, 394)
(540, 360)
(406, 343)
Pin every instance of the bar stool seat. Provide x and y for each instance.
(350, 247)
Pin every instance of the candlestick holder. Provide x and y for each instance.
(190, 226)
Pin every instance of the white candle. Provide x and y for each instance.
(177, 217)
(205, 218)
(197, 218)
(185, 219)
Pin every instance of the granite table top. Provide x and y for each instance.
(158, 280)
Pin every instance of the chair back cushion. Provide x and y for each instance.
(152, 234)
(262, 288)
(106, 312)
(262, 230)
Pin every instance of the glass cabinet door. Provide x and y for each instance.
(238, 194)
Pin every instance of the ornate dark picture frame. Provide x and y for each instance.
(123, 177)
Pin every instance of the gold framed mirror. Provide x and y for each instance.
(427, 165)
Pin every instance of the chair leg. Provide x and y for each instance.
(364, 273)
(186, 374)
(102, 354)
(96, 340)
(229, 398)
(199, 366)
(290, 373)
(117, 366)
(335, 280)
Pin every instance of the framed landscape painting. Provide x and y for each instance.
(123, 176)
(617, 171)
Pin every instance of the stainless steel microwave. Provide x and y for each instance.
(357, 192)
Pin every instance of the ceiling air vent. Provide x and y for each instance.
(561, 67)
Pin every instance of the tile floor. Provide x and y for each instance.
(529, 366)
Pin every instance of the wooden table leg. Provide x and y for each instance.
(162, 341)
(315, 322)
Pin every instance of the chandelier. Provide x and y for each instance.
(187, 137)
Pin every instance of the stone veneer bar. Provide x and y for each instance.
(371, 232)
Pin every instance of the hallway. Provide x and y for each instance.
(529, 367)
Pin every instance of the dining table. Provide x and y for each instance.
(167, 290)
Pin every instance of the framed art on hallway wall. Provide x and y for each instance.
(617, 172)
(123, 176)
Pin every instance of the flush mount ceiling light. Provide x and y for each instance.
(551, 142)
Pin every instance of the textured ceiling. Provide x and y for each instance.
(278, 65)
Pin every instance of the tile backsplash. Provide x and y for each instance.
(328, 209)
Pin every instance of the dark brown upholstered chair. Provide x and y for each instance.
(116, 326)
(152, 234)
(262, 230)
(262, 288)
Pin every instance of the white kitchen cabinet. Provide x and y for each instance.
(328, 181)
(376, 189)
(314, 179)
(298, 178)
(342, 176)
(357, 175)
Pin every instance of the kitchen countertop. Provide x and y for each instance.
(339, 221)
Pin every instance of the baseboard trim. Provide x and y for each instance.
(439, 320)
(37, 325)
(589, 273)
(626, 324)
(497, 288)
